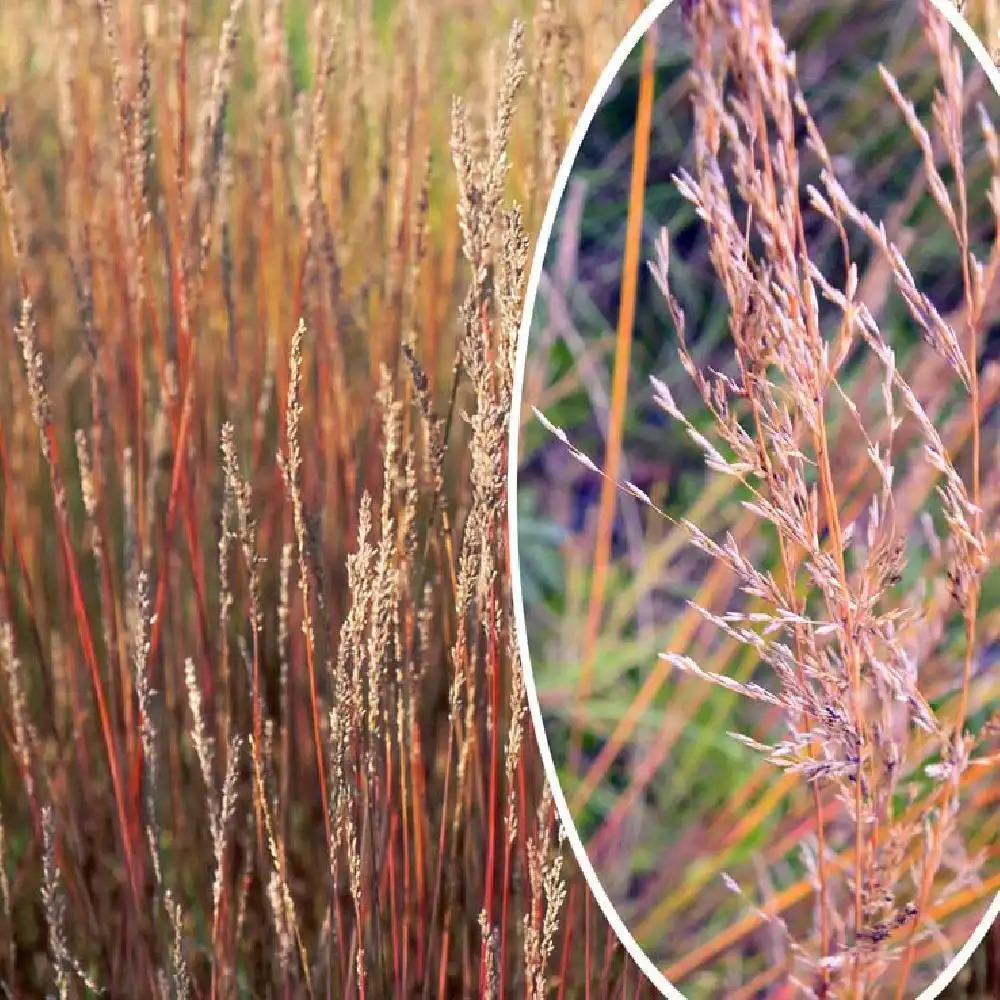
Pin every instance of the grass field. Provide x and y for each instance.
(262, 728)
(262, 721)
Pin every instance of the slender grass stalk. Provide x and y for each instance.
(619, 391)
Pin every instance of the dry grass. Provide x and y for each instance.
(263, 725)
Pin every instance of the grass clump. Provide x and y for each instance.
(263, 722)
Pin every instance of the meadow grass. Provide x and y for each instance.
(263, 721)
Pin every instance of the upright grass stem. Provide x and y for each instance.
(619, 391)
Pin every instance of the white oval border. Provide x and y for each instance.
(607, 77)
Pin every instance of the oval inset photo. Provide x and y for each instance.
(755, 486)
